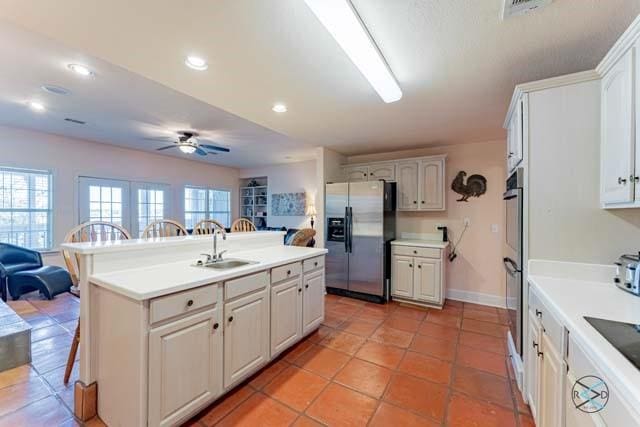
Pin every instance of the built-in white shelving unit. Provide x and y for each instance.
(254, 200)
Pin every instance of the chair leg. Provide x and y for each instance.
(72, 354)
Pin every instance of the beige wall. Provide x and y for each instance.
(287, 178)
(69, 158)
(478, 268)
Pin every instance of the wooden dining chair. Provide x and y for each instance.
(242, 225)
(206, 226)
(303, 237)
(164, 228)
(92, 231)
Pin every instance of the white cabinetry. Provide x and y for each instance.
(418, 274)
(551, 384)
(356, 173)
(407, 188)
(312, 300)
(286, 315)
(532, 364)
(516, 134)
(386, 171)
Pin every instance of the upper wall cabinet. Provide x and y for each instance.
(515, 136)
(620, 148)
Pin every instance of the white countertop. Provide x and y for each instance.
(156, 280)
(438, 244)
(572, 299)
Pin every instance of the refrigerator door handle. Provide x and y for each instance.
(350, 229)
(346, 229)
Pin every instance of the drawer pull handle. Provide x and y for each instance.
(230, 318)
(535, 344)
(216, 325)
(538, 313)
(541, 354)
(622, 181)
(288, 272)
(306, 286)
(189, 303)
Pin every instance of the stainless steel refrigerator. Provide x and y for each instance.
(360, 224)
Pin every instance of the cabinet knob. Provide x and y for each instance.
(365, 174)
(315, 264)
(230, 318)
(288, 272)
(622, 180)
(306, 286)
(422, 202)
(216, 325)
(299, 290)
(189, 303)
(634, 178)
(415, 202)
(410, 265)
(419, 266)
(415, 252)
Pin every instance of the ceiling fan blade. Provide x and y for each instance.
(212, 153)
(215, 148)
(165, 148)
(200, 152)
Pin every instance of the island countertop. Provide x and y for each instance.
(162, 279)
(438, 244)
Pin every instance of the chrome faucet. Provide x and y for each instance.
(215, 257)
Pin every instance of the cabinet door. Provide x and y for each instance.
(386, 172)
(407, 187)
(246, 336)
(185, 367)
(356, 173)
(617, 133)
(427, 279)
(402, 276)
(532, 364)
(550, 401)
(286, 315)
(312, 301)
(515, 137)
(431, 185)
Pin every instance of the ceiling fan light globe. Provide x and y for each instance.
(187, 149)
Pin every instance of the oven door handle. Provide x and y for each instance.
(511, 266)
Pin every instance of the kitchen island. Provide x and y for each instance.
(162, 337)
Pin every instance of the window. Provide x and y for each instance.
(201, 203)
(25, 208)
(105, 204)
(150, 207)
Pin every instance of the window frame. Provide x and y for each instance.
(208, 213)
(49, 244)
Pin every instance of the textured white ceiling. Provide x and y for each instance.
(455, 60)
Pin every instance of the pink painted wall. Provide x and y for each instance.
(478, 268)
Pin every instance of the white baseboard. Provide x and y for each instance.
(477, 298)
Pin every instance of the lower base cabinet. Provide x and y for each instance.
(312, 301)
(418, 275)
(286, 315)
(180, 381)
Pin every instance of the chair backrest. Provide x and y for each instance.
(242, 225)
(164, 228)
(91, 231)
(303, 237)
(207, 226)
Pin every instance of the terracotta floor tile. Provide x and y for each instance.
(38, 320)
(344, 310)
(487, 308)
(483, 342)
(415, 313)
(352, 301)
(16, 375)
(55, 378)
(386, 335)
(332, 320)
(483, 360)
(454, 303)
(358, 326)
(465, 411)
(259, 410)
(436, 347)
(20, 395)
(444, 319)
(44, 412)
(526, 421)
(304, 421)
(381, 354)
(22, 307)
(522, 407)
(487, 328)
(295, 387)
(436, 330)
(364, 377)
(483, 386)
(214, 413)
(47, 332)
(340, 406)
(427, 367)
(452, 311)
(95, 422)
(323, 361)
(402, 323)
(371, 317)
(392, 416)
(265, 376)
(344, 342)
(319, 334)
(297, 350)
(417, 395)
(485, 316)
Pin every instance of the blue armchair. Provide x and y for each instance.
(22, 271)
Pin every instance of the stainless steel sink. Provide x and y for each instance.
(226, 264)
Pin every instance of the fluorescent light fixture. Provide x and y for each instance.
(279, 108)
(80, 69)
(36, 106)
(342, 21)
(187, 149)
(196, 63)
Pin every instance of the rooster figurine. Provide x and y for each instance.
(476, 186)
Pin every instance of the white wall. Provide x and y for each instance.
(69, 158)
(299, 177)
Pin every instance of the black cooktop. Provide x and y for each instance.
(625, 337)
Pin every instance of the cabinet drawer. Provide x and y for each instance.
(284, 272)
(313, 263)
(245, 285)
(182, 302)
(416, 251)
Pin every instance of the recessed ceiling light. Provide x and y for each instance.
(343, 22)
(280, 108)
(82, 70)
(57, 90)
(36, 106)
(196, 63)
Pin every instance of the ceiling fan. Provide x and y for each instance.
(188, 143)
